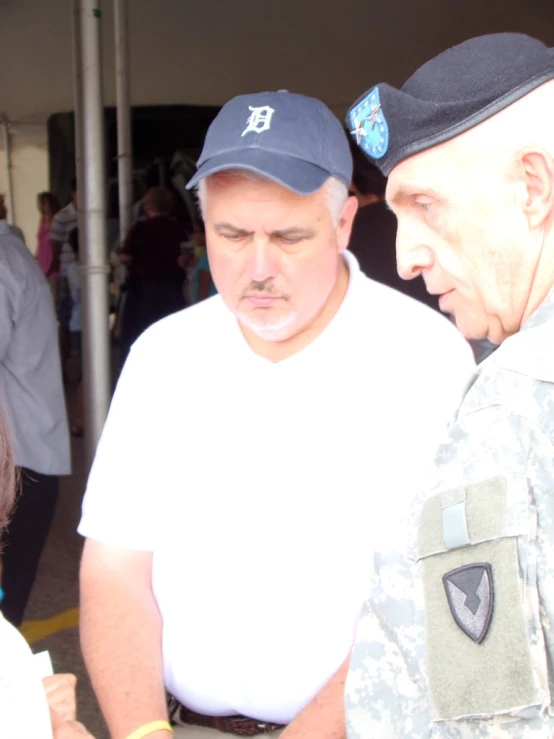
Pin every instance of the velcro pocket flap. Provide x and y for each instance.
(479, 613)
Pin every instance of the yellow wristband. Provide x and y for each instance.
(150, 728)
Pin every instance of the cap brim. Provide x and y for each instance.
(294, 174)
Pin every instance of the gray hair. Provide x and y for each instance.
(337, 192)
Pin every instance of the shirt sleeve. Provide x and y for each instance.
(58, 231)
(126, 487)
(6, 319)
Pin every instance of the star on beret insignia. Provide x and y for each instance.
(370, 126)
(358, 131)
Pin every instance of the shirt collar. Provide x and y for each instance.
(543, 314)
(529, 352)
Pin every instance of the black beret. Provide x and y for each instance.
(448, 95)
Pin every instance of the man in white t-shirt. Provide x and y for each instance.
(258, 446)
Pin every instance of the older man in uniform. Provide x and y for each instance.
(248, 435)
(457, 637)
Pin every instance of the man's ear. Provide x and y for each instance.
(537, 172)
(349, 210)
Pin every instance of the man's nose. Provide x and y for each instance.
(413, 256)
(262, 259)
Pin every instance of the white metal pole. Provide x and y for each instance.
(9, 177)
(96, 344)
(123, 97)
(78, 111)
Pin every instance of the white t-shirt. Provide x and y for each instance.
(24, 710)
(263, 488)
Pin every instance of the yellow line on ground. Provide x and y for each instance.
(34, 631)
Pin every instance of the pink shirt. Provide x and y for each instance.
(44, 251)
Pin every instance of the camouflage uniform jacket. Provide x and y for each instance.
(457, 637)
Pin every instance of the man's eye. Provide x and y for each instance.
(233, 237)
(290, 239)
(425, 206)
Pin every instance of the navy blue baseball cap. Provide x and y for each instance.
(455, 91)
(291, 139)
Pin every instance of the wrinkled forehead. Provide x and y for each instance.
(452, 166)
(237, 188)
(427, 172)
(258, 205)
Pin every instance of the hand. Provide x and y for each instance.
(61, 697)
(63, 728)
(70, 730)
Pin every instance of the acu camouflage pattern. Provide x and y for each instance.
(504, 428)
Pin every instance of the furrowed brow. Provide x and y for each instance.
(294, 233)
(225, 227)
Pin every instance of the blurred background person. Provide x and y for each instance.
(48, 205)
(14, 230)
(202, 284)
(152, 254)
(63, 222)
(74, 282)
(33, 404)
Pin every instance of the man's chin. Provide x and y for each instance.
(279, 329)
(473, 334)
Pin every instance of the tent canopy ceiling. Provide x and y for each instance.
(205, 52)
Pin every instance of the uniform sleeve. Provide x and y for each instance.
(458, 626)
(124, 497)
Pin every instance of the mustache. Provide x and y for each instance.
(265, 287)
